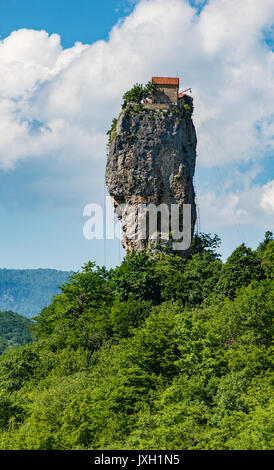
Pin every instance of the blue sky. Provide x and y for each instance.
(83, 20)
(64, 68)
(36, 233)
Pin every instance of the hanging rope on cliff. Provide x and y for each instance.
(197, 228)
(220, 180)
(104, 227)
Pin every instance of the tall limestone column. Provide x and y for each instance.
(152, 153)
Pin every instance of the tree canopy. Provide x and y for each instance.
(14, 330)
(158, 353)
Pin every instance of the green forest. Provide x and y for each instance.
(27, 291)
(14, 330)
(158, 353)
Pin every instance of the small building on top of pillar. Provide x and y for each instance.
(166, 90)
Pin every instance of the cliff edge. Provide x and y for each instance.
(151, 159)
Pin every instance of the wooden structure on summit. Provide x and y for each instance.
(166, 90)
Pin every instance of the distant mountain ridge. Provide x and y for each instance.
(28, 291)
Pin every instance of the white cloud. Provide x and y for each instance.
(59, 103)
(267, 198)
(248, 207)
(29, 58)
(74, 93)
(234, 23)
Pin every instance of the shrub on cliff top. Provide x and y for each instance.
(138, 93)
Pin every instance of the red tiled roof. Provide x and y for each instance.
(181, 95)
(165, 81)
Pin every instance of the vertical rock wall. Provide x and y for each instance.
(151, 159)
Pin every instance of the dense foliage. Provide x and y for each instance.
(27, 291)
(159, 353)
(14, 330)
(137, 94)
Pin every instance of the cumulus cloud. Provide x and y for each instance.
(58, 104)
(236, 205)
(267, 198)
(29, 58)
(29, 61)
(72, 94)
(243, 207)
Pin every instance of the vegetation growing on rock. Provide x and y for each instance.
(138, 93)
(151, 146)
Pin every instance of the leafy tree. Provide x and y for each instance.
(127, 315)
(138, 93)
(189, 282)
(205, 242)
(268, 237)
(242, 266)
(136, 278)
(14, 329)
(79, 317)
(148, 356)
(17, 366)
(267, 259)
(9, 410)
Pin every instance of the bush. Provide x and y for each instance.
(138, 93)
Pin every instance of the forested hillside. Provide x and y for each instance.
(28, 291)
(14, 330)
(159, 353)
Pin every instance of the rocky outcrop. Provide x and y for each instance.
(152, 153)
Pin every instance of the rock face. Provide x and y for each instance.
(152, 153)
